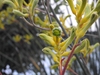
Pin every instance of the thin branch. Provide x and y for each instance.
(43, 11)
(34, 63)
(82, 66)
(85, 65)
(47, 10)
(71, 70)
(34, 25)
(9, 58)
(94, 36)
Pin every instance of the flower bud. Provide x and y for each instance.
(56, 31)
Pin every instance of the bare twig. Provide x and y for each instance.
(43, 11)
(85, 65)
(95, 36)
(47, 10)
(35, 25)
(34, 63)
(7, 57)
(71, 70)
(82, 66)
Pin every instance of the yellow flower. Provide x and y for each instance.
(17, 38)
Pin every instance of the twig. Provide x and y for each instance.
(34, 63)
(43, 11)
(95, 36)
(72, 71)
(47, 10)
(85, 65)
(82, 66)
(9, 58)
(34, 25)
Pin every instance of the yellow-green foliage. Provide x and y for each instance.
(85, 15)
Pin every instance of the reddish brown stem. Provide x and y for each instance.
(60, 67)
(69, 57)
(62, 59)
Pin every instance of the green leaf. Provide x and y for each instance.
(87, 9)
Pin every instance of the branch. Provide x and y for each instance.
(10, 59)
(82, 66)
(71, 70)
(34, 25)
(47, 10)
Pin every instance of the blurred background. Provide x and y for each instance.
(21, 48)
